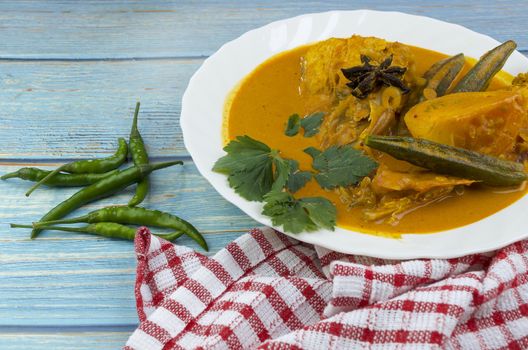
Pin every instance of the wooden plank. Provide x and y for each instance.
(68, 109)
(54, 282)
(179, 190)
(79, 109)
(72, 110)
(63, 341)
(125, 29)
(64, 279)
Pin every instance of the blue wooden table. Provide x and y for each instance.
(70, 74)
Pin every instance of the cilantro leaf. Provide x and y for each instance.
(293, 126)
(311, 123)
(298, 215)
(243, 153)
(297, 179)
(321, 211)
(282, 172)
(312, 151)
(286, 211)
(254, 183)
(253, 168)
(340, 166)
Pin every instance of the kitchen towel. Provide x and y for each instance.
(266, 290)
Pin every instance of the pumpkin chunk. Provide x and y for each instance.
(486, 122)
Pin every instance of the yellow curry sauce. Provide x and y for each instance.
(260, 106)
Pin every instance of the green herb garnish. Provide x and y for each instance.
(311, 123)
(293, 126)
(340, 166)
(257, 172)
(298, 215)
(252, 168)
(297, 178)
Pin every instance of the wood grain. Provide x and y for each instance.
(64, 110)
(79, 340)
(136, 29)
(75, 110)
(180, 190)
(63, 282)
(62, 279)
(70, 73)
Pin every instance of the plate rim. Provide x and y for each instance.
(312, 237)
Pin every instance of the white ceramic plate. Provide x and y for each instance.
(203, 103)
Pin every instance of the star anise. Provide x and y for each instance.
(367, 78)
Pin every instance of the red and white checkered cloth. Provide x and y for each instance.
(268, 291)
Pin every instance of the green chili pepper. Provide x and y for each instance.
(59, 180)
(140, 157)
(105, 229)
(102, 189)
(134, 216)
(98, 166)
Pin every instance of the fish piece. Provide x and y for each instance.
(387, 180)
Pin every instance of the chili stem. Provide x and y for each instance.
(9, 175)
(167, 236)
(77, 220)
(101, 189)
(100, 165)
(134, 121)
(55, 228)
(46, 178)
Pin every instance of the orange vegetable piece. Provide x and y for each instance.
(486, 122)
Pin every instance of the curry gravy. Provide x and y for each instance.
(260, 107)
